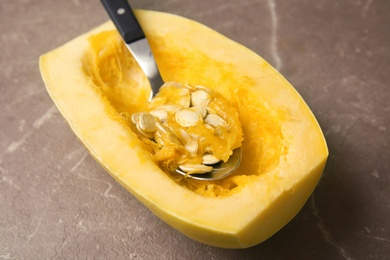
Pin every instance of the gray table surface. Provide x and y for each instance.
(58, 203)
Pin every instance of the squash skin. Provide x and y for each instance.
(240, 220)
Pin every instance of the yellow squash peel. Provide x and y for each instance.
(95, 83)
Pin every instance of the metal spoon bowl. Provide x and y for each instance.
(126, 23)
(220, 170)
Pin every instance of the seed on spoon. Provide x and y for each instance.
(162, 129)
(210, 159)
(165, 135)
(161, 114)
(184, 136)
(215, 120)
(135, 117)
(200, 98)
(188, 117)
(148, 135)
(201, 110)
(147, 122)
(195, 168)
(192, 146)
(210, 127)
(184, 97)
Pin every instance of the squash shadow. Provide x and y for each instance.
(328, 221)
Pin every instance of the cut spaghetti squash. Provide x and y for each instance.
(95, 82)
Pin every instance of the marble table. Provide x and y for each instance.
(56, 202)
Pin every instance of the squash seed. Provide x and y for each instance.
(209, 159)
(161, 114)
(148, 135)
(195, 168)
(188, 117)
(162, 129)
(147, 122)
(184, 136)
(211, 111)
(200, 98)
(210, 127)
(215, 121)
(166, 135)
(184, 97)
(192, 146)
(135, 117)
(201, 110)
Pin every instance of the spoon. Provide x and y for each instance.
(125, 21)
(131, 32)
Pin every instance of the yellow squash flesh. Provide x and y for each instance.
(95, 82)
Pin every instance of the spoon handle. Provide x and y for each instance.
(124, 19)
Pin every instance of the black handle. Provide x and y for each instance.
(124, 19)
